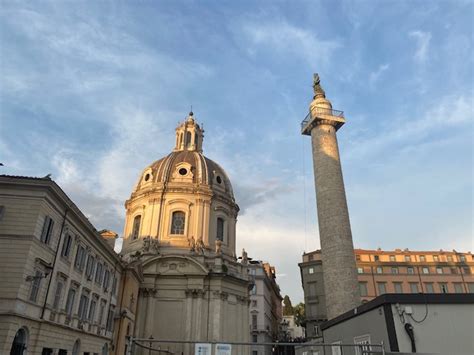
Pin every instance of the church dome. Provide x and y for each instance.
(185, 167)
(182, 201)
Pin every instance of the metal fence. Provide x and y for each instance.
(137, 346)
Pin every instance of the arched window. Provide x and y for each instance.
(177, 222)
(19, 342)
(76, 349)
(220, 229)
(188, 139)
(136, 226)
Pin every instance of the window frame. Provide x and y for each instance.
(136, 226)
(172, 229)
(47, 230)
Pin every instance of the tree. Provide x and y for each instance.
(299, 312)
(287, 306)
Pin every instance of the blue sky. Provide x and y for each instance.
(92, 91)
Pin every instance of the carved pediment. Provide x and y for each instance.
(174, 265)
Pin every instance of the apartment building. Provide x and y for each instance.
(265, 306)
(380, 272)
(61, 279)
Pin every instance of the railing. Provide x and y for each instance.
(321, 111)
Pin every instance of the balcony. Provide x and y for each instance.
(321, 114)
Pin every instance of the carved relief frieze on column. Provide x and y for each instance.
(194, 293)
(148, 291)
(243, 300)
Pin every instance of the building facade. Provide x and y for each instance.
(61, 280)
(380, 272)
(265, 306)
(64, 290)
(337, 250)
(180, 231)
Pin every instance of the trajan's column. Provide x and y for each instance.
(339, 268)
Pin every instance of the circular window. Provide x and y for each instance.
(147, 177)
(219, 180)
(183, 171)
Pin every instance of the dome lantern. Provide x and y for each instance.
(189, 135)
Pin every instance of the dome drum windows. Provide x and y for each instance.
(220, 229)
(136, 226)
(178, 222)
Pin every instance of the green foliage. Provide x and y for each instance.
(299, 312)
(287, 306)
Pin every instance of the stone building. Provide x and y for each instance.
(61, 281)
(180, 231)
(393, 271)
(265, 306)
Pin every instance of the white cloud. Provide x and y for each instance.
(283, 37)
(423, 41)
(374, 76)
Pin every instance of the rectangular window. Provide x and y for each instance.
(462, 258)
(439, 270)
(422, 258)
(470, 287)
(392, 257)
(426, 270)
(312, 286)
(101, 311)
(35, 286)
(58, 295)
(70, 301)
(47, 230)
(311, 270)
(253, 291)
(363, 289)
(407, 258)
(394, 270)
(443, 287)
(410, 270)
(376, 258)
(435, 257)
(114, 285)
(358, 257)
(106, 280)
(67, 244)
(80, 258)
(99, 273)
(414, 287)
(92, 307)
(254, 303)
(381, 288)
(454, 270)
(254, 338)
(90, 267)
(458, 287)
(254, 321)
(360, 270)
(220, 229)
(429, 287)
(83, 306)
(466, 270)
(379, 270)
(450, 258)
(110, 319)
(398, 287)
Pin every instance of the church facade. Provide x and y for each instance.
(66, 291)
(180, 232)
